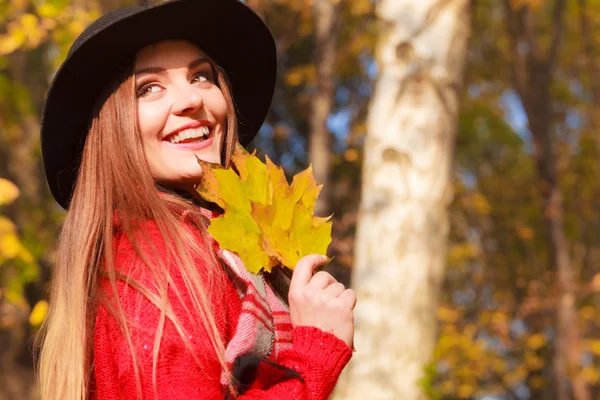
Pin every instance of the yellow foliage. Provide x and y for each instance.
(590, 375)
(525, 232)
(534, 4)
(48, 24)
(10, 246)
(481, 204)
(536, 341)
(537, 382)
(11, 41)
(533, 362)
(447, 386)
(48, 10)
(8, 192)
(499, 365)
(589, 312)
(294, 77)
(485, 317)
(515, 376)
(499, 318)
(361, 7)
(75, 27)
(20, 5)
(29, 21)
(461, 252)
(446, 343)
(304, 74)
(359, 44)
(447, 314)
(466, 390)
(593, 346)
(38, 313)
(35, 34)
(448, 329)
(351, 155)
(476, 355)
(24, 31)
(267, 222)
(470, 330)
(596, 282)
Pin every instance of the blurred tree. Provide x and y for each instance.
(344, 72)
(319, 143)
(498, 321)
(407, 188)
(532, 69)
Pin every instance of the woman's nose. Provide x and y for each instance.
(187, 100)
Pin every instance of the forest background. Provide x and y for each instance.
(458, 141)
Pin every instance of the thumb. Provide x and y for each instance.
(304, 270)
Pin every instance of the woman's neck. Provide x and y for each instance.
(190, 194)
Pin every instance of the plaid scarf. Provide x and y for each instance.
(264, 327)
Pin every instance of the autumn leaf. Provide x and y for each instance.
(8, 192)
(535, 342)
(38, 313)
(266, 221)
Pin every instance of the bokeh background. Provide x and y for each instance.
(458, 142)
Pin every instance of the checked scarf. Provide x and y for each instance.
(264, 326)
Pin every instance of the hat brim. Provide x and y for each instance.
(227, 30)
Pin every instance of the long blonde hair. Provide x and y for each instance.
(112, 160)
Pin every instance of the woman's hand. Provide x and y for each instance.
(320, 300)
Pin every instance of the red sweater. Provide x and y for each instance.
(317, 356)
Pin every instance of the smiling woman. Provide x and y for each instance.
(144, 303)
(182, 112)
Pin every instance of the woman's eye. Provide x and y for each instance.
(201, 77)
(148, 89)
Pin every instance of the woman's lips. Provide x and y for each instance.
(191, 125)
(192, 145)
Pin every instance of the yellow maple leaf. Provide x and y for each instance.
(267, 222)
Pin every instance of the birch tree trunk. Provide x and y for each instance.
(319, 151)
(407, 188)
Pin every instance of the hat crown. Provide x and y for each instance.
(102, 23)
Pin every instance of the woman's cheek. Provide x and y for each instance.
(151, 118)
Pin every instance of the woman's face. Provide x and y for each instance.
(181, 111)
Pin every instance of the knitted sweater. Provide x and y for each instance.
(317, 356)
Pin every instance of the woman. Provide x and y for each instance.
(144, 304)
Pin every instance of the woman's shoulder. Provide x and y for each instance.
(148, 237)
(144, 248)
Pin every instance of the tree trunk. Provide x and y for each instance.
(320, 139)
(407, 188)
(532, 74)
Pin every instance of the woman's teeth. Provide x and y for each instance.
(201, 132)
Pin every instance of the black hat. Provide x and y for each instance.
(227, 30)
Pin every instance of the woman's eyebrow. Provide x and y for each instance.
(158, 70)
(197, 62)
(149, 70)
